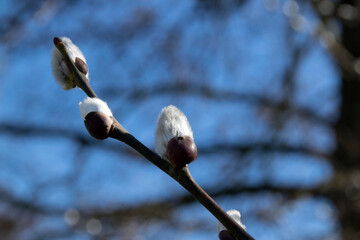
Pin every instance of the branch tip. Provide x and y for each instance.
(57, 40)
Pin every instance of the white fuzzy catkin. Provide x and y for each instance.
(59, 68)
(234, 214)
(171, 123)
(94, 105)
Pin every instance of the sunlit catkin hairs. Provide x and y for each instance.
(97, 117)
(60, 69)
(224, 234)
(174, 139)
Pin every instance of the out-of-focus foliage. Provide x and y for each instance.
(260, 82)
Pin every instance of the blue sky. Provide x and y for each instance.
(242, 54)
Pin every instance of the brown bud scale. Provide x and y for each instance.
(181, 151)
(81, 65)
(98, 125)
(57, 40)
(225, 235)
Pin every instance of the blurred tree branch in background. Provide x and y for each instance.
(181, 62)
(346, 51)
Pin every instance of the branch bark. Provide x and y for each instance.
(181, 175)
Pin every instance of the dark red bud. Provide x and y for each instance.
(81, 65)
(57, 40)
(225, 235)
(98, 125)
(181, 151)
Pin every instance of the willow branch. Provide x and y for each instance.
(181, 175)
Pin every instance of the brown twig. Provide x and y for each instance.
(181, 175)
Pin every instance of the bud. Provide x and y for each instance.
(81, 65)
(59, 68)
(224, 234)
(97, 117)
(174, 138)
(181, 151)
